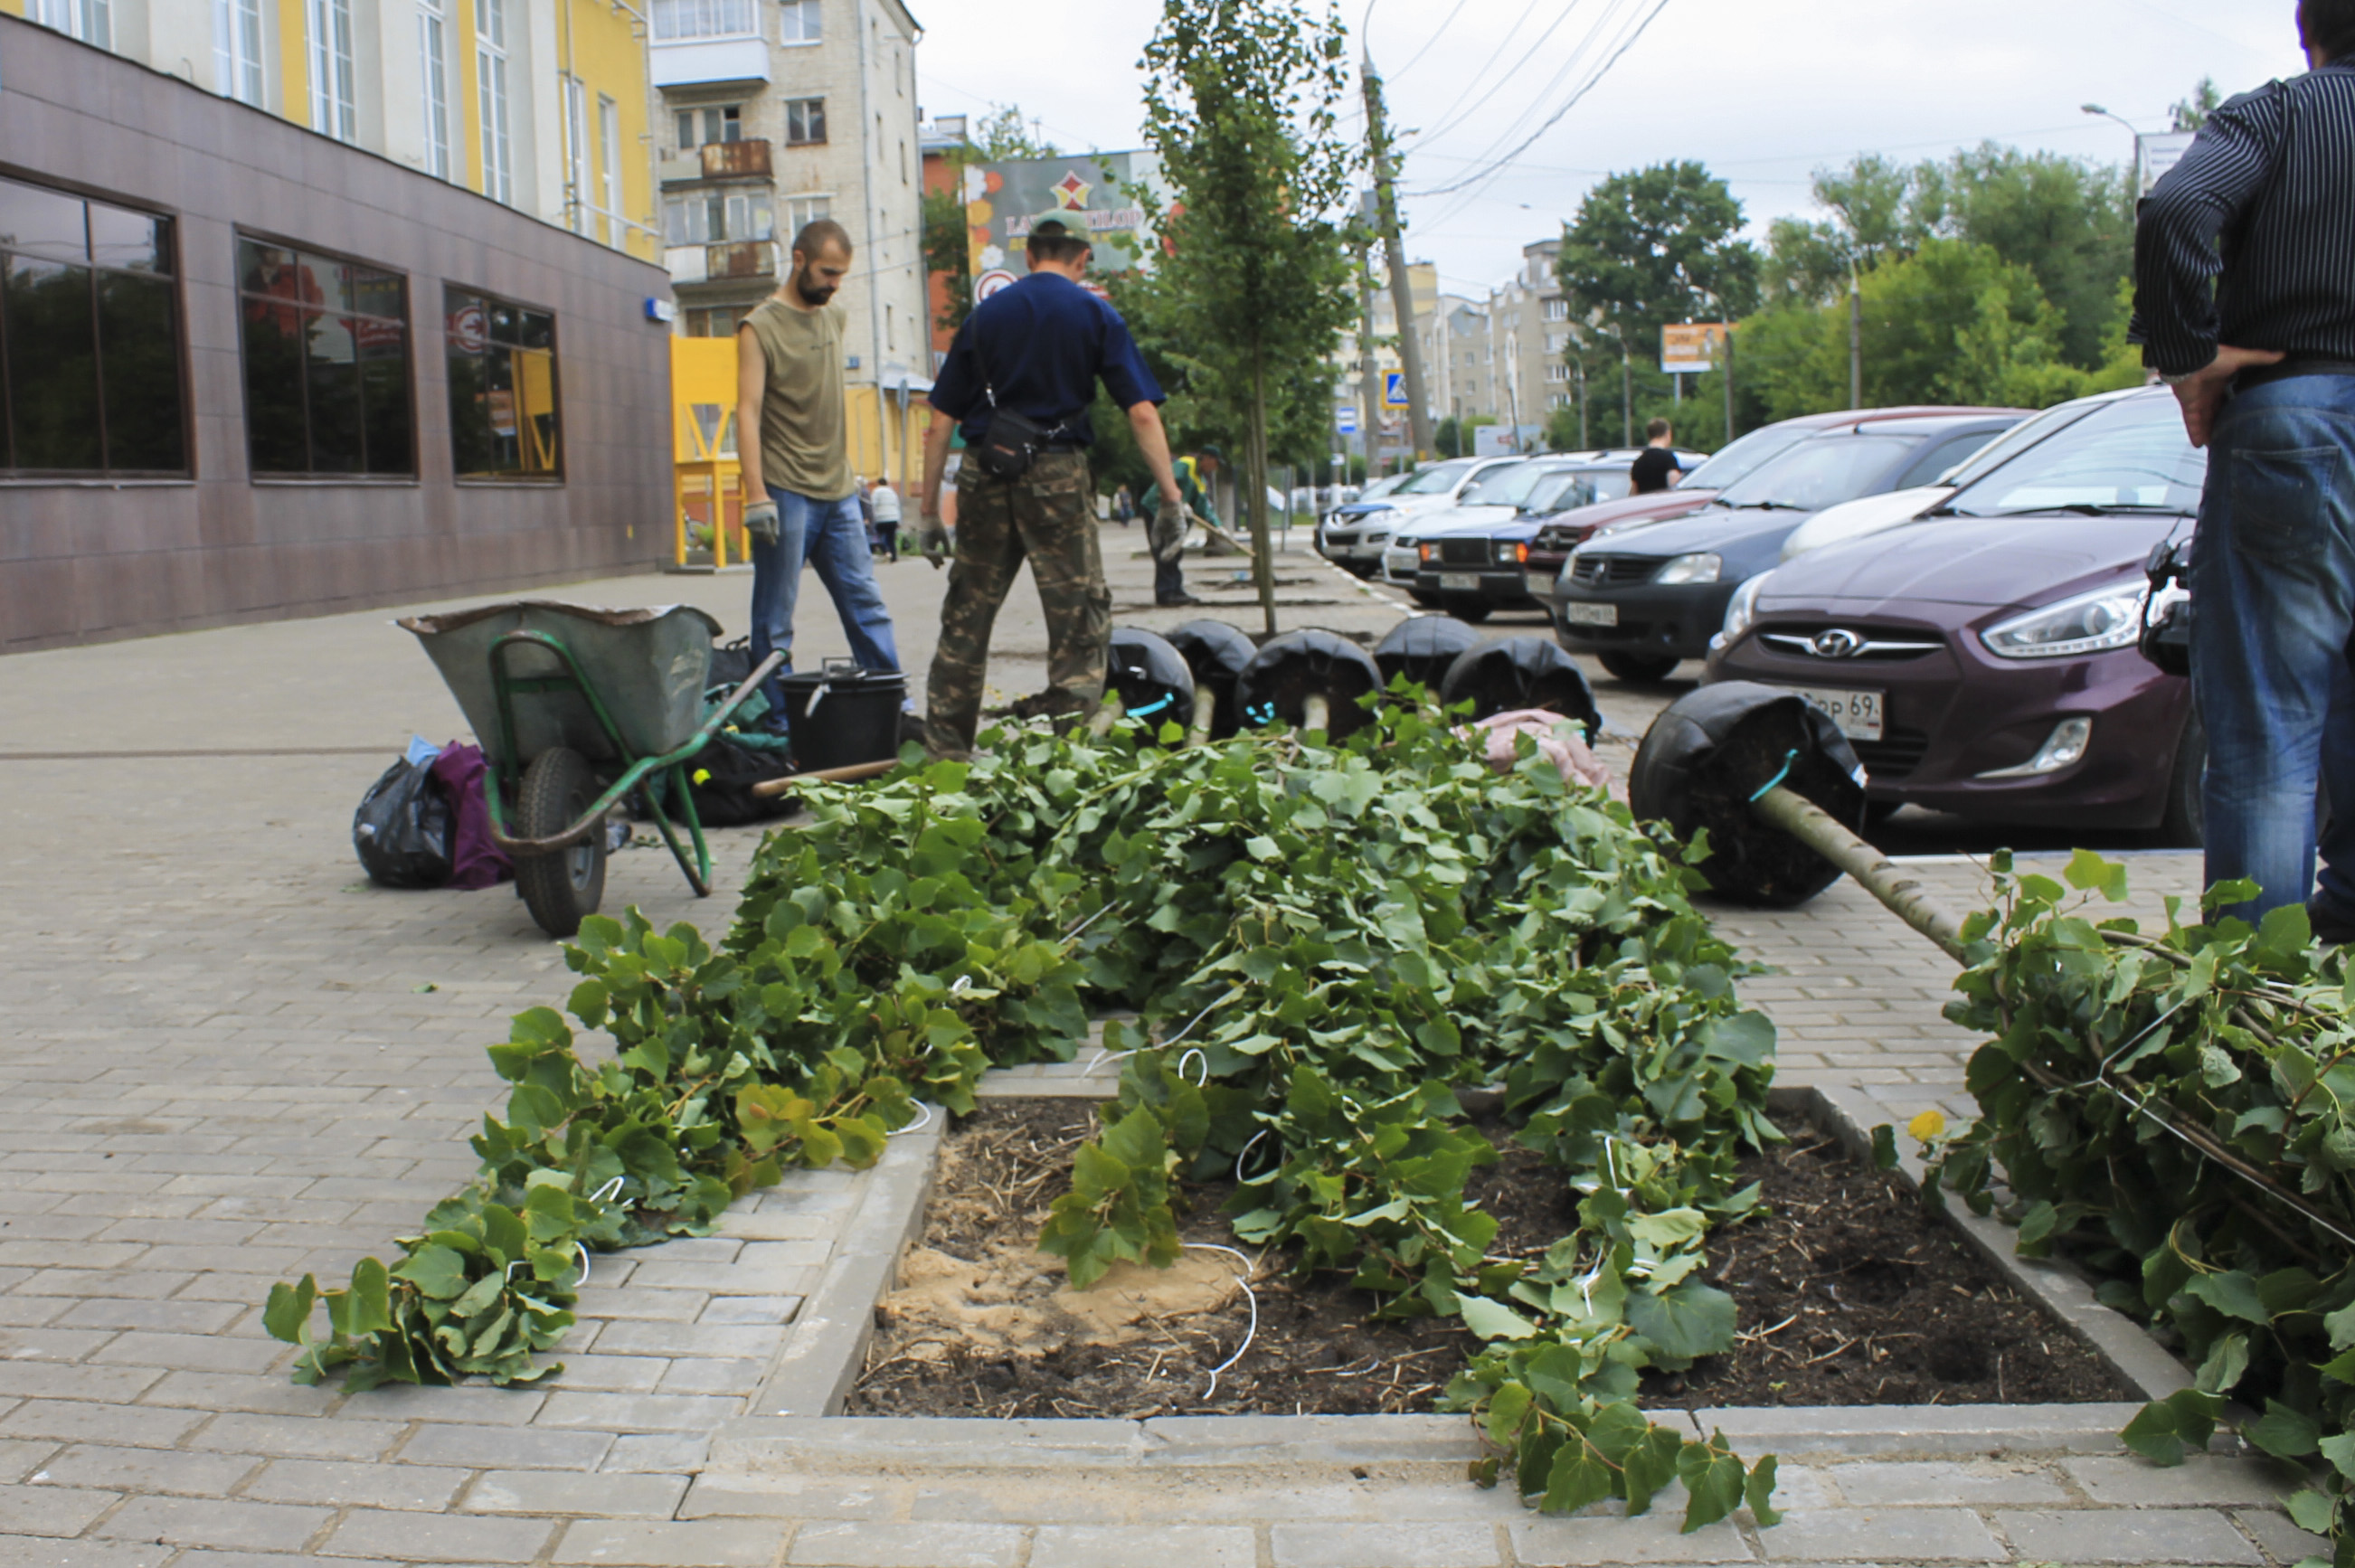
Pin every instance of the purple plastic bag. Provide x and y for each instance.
(477, 860)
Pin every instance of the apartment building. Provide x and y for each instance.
(1529, 332)
(771, 114)
(251, 369)
(538, 104)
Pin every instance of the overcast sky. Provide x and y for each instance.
(1763, 91)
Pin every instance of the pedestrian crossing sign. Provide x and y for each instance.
(1395, 390)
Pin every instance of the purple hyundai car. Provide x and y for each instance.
(1982, 659)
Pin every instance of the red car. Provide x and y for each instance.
(1982, 659)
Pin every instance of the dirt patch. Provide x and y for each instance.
(1848, 1294)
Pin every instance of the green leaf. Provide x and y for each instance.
(1692, 1320)
(2284, 1432)
(435, 1270)
(288, 1315)
(2311, 1511)
(1713, 1482)
(1884, 1148)
(1759, 1493)
(370, 1311)
(1492, 1319)
(1579, 1476)
(2231, 1293)
(2090, 873)
(1506, 1406)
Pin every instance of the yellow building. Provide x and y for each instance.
(538, 104)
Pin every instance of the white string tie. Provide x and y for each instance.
(1250, 1333)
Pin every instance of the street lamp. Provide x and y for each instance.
(2097, 109)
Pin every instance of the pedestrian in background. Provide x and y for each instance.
(789, 389)
(1123, 508)
(1020, 378)
(1166, 527)
(1655, 468)
(884, 502)
(2245, 302)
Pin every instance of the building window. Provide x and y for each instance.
(1557, 374)
(333, 112)
(803, 22)
(805, 122)
(503, 411)
(609, 142)
(89, 338)
(718, 321)
(676, 21)
(89, 20)
(1557, 310)
(237, 49)
(579, 196)
(801, 211)
(718, 217)
(701, 127)
(326, 364)
(491, 84)
(433, 59)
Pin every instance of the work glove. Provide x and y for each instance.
(760, 521)
(932, 538)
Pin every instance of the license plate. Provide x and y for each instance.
(1539, 585)
(1460, 581)
(1583, 614)
(1857, 713)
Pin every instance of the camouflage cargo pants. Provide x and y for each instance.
(1046, 517)
(1164, 537)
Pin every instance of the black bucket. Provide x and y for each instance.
(842, 715)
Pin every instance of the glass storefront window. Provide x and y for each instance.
(504, 418)
(326, 365)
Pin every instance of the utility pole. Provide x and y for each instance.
(1378, 141)
(1369, 390)
(1626, 398)
(1729, 383)
(1855, 338)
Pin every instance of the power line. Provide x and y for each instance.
(1476, 81)
(1570, 68)
(1434, 42)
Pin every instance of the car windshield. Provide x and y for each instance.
(1506, 486)
(1735, 464)
(1565, 491)
(1380, 488)
(1822, 471)
(2028, 432)
(1436, 480)
(2125, 456)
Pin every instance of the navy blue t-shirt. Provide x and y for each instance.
(1041, 344)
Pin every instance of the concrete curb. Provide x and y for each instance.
(822, 1357)
(2064, 1294)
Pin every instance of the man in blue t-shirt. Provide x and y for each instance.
(1035, 350)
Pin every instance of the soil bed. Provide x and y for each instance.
(1848, 1294)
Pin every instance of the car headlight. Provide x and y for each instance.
(1424, 553)
(2090, 624)
(1509, 553)
(1743, 608)
(1702, 568)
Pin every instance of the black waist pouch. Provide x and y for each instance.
(1011, 445)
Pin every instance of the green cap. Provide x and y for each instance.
(1062, 226)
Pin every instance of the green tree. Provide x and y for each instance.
(1006, 134)
(1647, 248)
(947, 251)
(2191, 114)
(1241, 99)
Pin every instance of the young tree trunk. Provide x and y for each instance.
(1255, 476)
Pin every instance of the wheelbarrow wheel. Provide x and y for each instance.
(562, 889)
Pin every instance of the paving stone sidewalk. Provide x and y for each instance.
(227, 1060)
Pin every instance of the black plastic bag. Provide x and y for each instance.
(1151, 679)
(1422, 648)
(721, 778)
(1714, 750)
(1522, 672)
(1274, 688)
(1215, 653)
(402, 830)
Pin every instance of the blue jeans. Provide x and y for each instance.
(832, 537)
(2273, 597)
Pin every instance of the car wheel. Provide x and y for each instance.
(2185, 824)
(1639, 666)
(1471, 612)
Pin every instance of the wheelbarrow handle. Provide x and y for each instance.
(635, 774)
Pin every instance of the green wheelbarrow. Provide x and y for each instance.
(577, 710)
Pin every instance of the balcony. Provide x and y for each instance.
(736, 259)
(716, 160)
(709, 62)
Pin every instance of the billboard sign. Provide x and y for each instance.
(1692, 348)
(1492, 441)
(1004, 200)
(1395, 390)
(2154, 155)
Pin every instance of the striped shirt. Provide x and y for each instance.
(2250, 240)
